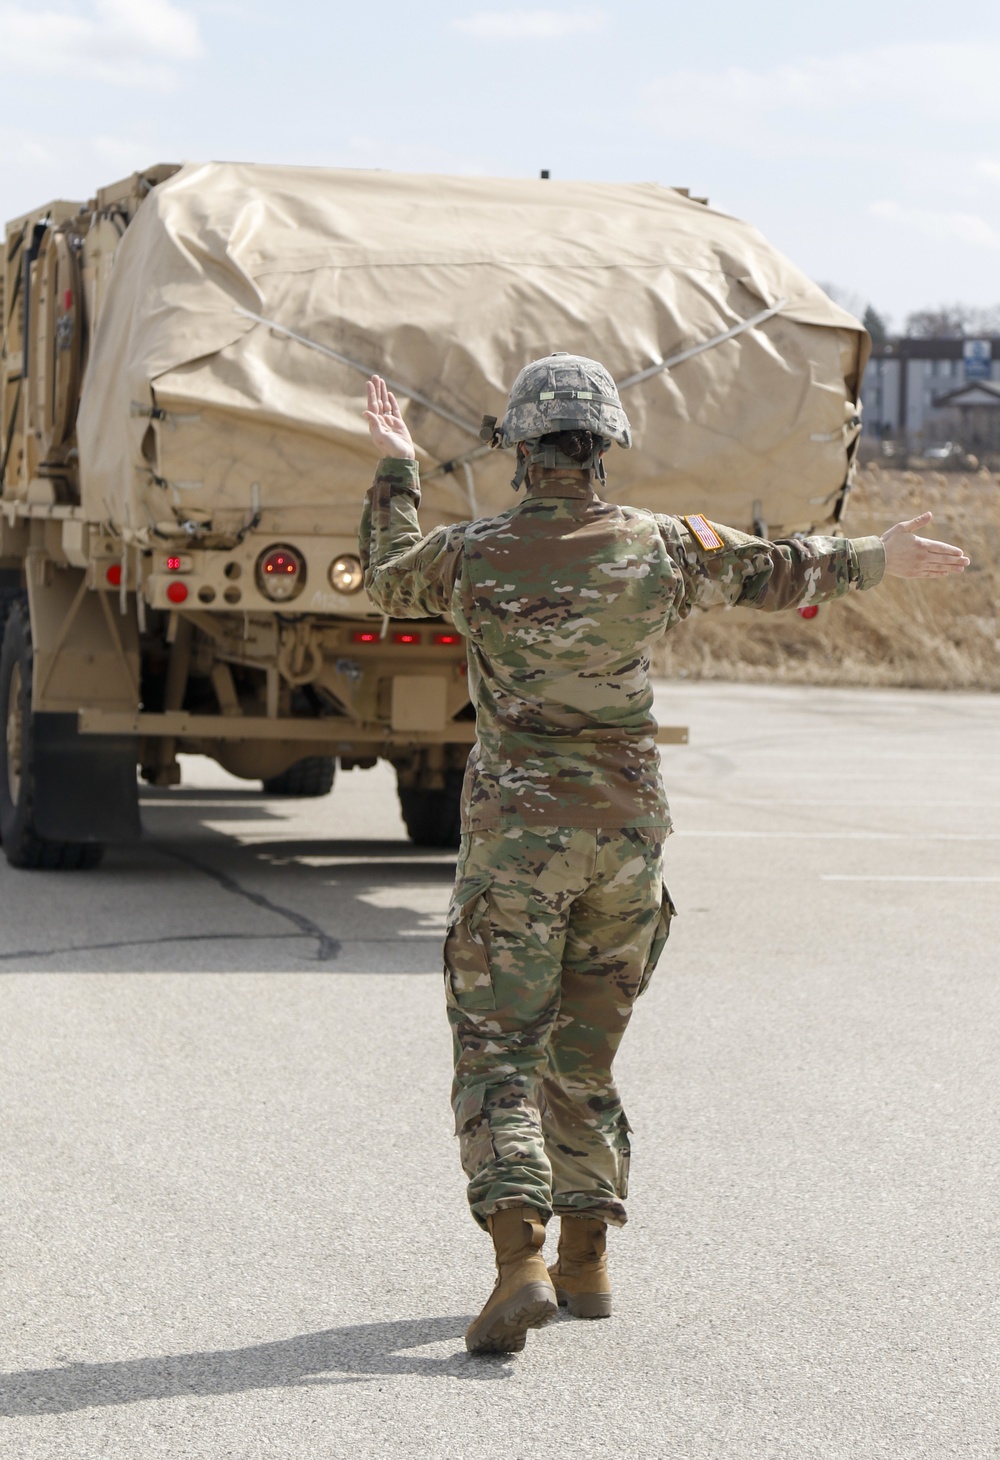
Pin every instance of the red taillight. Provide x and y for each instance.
(406, 638)
(177, 592)
(364, 636)
(114, 575)
(68, 300)
(447, 638)
(281, 572)
(809, 610)
(279, 564)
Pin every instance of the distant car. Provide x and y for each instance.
(946, 451)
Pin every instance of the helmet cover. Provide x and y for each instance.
(564, 393)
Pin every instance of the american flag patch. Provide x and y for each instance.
(704, 532)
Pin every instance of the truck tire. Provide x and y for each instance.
(433, 818)
(22, 844)
(311, 776)
(8, 597)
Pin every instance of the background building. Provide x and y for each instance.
(924, 393)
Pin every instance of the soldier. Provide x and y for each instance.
(559, 911)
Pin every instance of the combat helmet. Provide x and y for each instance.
(560, 392)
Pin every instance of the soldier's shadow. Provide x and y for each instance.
(347, 1355)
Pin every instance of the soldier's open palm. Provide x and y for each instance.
(386, 426)
(910, 556)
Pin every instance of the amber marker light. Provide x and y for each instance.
(346, 575)
(281, 573)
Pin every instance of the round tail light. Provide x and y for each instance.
(809, 610)
(346, 575)
(281, 573)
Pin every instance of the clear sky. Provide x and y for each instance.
(862, 138)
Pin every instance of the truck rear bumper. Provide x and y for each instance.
(333, 734)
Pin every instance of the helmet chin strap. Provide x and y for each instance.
(553, 459)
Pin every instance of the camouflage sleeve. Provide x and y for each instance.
(721, 566)
(406, 575)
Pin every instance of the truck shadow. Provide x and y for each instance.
(333, 1356)
(209, 887)
(166, 807)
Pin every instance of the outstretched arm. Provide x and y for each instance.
(910, 556)
(407, 575)
(722, 566)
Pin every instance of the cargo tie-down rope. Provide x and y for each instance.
(479, 451)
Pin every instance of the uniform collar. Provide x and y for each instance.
(559, 485)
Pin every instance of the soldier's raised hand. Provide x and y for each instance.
(385, 424)
(910, 556)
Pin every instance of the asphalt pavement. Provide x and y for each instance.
(233, 1216)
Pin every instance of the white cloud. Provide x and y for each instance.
(526, 25)
(400, 155)
(38, 165)
(946, 226)
(987, 168)
(821, 105)
(118, 42)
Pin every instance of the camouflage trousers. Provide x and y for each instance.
(553, 933)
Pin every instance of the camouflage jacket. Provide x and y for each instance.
(561, 599)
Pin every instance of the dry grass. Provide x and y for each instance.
(931, 635)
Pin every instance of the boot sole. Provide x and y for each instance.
(585, 1305)
(505, 1330)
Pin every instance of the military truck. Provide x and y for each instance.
(183, 458)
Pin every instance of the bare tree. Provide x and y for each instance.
(847, 298)
(954, 321)
(876, 325)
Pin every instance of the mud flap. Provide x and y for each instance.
(85, 787)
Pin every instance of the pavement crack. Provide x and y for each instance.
(152, 943)
(327, 948)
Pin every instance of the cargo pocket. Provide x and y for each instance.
(661, 933)
(468, 982)
(623, 1155)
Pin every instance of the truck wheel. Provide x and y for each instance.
(23, 847)
(312, 776)
(8, 597)
(433, 818)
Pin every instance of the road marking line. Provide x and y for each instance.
(774, 803)
(839, 877)
(851, 836)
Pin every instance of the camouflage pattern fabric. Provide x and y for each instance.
(552, 935)
(564, 392)
(559, 911)
(561, 599)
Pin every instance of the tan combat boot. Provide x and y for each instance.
(523, 1297)
(580, 1274)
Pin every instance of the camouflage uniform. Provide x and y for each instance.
(559, 912)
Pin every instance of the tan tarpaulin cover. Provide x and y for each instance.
(447, 286)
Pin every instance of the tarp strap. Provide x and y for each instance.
(445, 468)
(365, 370)
(737, 329)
